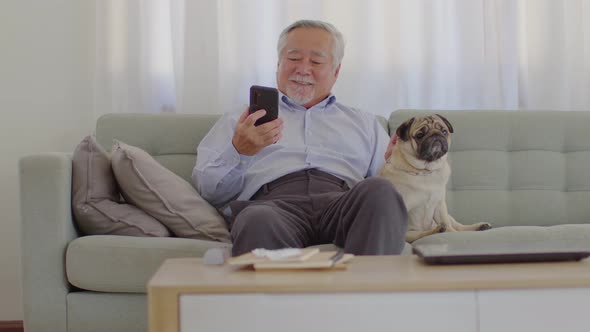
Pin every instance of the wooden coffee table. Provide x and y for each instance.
(375, 293)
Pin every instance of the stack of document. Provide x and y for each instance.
(292, 258)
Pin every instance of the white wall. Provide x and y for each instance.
(45, 105)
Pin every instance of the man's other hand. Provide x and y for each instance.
(390, 146)
(249, 139)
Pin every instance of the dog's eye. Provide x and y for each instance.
(445, 132)
(419, 135)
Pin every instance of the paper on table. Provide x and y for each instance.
(250, 258)
(278, 254)
(322, 260)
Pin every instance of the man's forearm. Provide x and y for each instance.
(216, 193)
(219, 177)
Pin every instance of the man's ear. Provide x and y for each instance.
(337, 71)
(403, 131)
(449, 125)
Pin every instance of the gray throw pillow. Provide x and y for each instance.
(165, 196)
(96, 201)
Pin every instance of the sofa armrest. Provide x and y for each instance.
(46, 230)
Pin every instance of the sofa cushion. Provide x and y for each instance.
(124, 264)
(106, 263)
(165, 196)
(571, 236)
(96, 201)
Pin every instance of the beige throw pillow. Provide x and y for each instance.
(165, 196)
(96, 201)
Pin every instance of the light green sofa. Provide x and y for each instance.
(525, 172)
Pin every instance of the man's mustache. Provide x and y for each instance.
(302, 79)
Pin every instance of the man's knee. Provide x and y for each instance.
(254, 219)
(381, 219)
(379, 189)
(382, 201)
(252, 228)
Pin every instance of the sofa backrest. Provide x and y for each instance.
(508, 167)
(171, 139)
(516, 167)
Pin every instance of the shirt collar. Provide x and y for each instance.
(331, 99)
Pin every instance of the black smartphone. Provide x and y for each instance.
(262, 97)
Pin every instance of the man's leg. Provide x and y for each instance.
(369, 219)
(269, 225)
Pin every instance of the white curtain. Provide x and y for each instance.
(202, 56)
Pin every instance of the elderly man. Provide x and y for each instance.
(308, 177)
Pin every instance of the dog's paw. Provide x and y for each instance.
(484, 226)
(441, 228)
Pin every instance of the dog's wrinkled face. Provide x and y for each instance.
(430, 136)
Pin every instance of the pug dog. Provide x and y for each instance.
(419, 170)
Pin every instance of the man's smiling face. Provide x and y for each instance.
(306, 72)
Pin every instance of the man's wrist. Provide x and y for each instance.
(243, 159)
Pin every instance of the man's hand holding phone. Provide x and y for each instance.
(264, 98)
(250, 139)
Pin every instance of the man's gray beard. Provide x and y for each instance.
(299, 100)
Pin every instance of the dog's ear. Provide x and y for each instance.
(449, 125)
(403, 131)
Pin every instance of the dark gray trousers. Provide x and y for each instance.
(313, 207)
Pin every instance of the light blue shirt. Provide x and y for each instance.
(329, 136)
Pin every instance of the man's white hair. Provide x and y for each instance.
(337, 38)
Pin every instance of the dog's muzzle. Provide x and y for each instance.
(432, 148)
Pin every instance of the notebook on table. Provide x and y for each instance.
(291, 259)
(501, 252)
